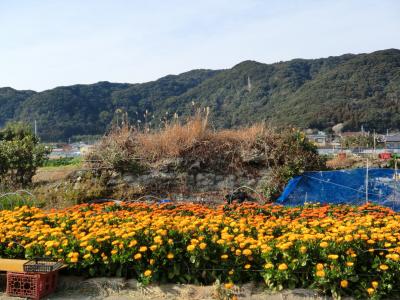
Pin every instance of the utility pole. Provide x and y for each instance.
(35, 129)
(395, 181)
(366, 184)
(374, 141)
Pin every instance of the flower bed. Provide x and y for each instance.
(342, 250)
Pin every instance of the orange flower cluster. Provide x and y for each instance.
(341, 250)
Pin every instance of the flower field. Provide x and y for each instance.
(339, 250)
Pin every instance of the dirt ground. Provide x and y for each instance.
(119, 289)
(53, 174)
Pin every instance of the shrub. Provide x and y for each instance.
(20, 155)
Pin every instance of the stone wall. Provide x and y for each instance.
(159, 182)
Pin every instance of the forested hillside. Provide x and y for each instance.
(356, 90)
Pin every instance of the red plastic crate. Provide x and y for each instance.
(31, 285)
(385, 155)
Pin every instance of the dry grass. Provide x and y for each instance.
(173, 139)
(193, 142)
(177, 140)
(53, 174)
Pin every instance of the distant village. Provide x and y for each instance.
(357, 142)
(70, 150)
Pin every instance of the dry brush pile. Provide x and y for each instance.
(247, 150)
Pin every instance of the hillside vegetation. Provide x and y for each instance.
(356, 90)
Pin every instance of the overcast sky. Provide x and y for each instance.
(49, 43)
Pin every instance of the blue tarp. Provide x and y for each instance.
(343, 186)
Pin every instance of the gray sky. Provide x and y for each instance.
(49, 43)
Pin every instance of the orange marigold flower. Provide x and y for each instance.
(202, 246)
(282, 267)
(228, 285)
(344, 283)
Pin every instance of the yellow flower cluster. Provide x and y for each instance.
(342, 249)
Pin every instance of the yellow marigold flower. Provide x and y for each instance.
(323, 244)
(247, 252)
(375, 284)
(153, 247)
(87, 256)
(268, 266)
(147, 273)
(224, 256)
(348, 238)
(152, 261)
(282, 267)
(303, 249)
(95, 251)
(344, 283)
(89, 248)
(333, 256)
(143, 249)
(137, 256)
(48, 253)
(190, 248)
(320, 267)
(74, 259)
(393, 256)
(114, 251)
(202, 246)
(158, 239)
(320, 273)
(247, 266)
(238, 252)
(132, 243)
(231, 272)
(370, 291)
(170, 255)
(383, 267)
(349, 264)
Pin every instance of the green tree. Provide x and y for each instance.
(20, 154)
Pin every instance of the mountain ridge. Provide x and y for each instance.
(354, 89)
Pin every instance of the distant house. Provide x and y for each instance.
(353, 134)
(392, 141)
(319, 139)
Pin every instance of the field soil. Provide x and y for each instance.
(119, 289)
